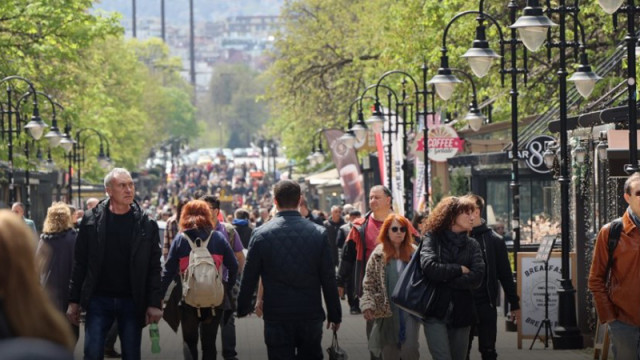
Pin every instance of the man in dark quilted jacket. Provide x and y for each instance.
(293, 258)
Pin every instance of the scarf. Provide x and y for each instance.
(455, 241)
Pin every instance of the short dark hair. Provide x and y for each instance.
(212, 200)
(631, 179)
(384, 189)
(287, 194)
(476, 199)
(356, 213)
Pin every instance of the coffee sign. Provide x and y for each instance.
(444, 143)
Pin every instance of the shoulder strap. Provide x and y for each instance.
(191, 243)
(206, 242)
(615, 229)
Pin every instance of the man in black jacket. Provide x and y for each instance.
(293, 258)
(332, 225)
(498, 267)
(116, 270)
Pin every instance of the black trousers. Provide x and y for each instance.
(293, 340)
(486, 330)
(206, 325)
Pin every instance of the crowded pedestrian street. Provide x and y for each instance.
(319, 179)
(250, 340)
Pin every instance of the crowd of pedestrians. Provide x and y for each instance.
(274, 257)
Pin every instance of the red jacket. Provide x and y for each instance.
(621, 299)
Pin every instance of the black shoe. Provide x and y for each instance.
(355, 311)
(111, 353)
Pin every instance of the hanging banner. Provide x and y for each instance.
(397, 174)
(346, 162)
(382, 164)
(418, 186)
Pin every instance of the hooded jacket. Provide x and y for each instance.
(497, 267)
(145, 255)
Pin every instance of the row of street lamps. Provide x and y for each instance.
(13, 120)
(533, 28)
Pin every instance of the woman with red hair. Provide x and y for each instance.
(395, 332)
(196, 222)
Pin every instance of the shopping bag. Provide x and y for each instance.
(335, 351)
(413, 292)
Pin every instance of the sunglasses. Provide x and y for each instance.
(402, 229)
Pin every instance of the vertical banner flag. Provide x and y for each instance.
(397, 174)
(346, 162)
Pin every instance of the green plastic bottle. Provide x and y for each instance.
(154, 334)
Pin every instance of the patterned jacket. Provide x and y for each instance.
(374, 289)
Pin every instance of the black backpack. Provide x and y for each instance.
(615, 229)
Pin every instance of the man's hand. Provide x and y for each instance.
(258, 308)
(73, 313)
(368, 314)
(465, 270)
(515, 316)
(153, 315)
(341, 292)
(333, 326)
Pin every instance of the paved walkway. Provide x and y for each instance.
(249, 332)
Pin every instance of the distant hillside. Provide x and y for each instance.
(177, 11)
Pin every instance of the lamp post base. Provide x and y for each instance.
(566, 334)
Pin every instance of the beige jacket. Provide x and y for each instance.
(374, 289)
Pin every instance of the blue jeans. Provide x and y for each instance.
(101, 313)
(625, 339)
(289, 340)
(446, 342)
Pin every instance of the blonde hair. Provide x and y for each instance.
(58, 218)
(29, 310)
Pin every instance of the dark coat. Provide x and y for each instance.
(441, 262)
(145, 259)
(332, 235)
(293, 258)
(243, 230)
(495, 256)
(56, 274)
(354, 254)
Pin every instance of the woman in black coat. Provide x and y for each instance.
(453, 259)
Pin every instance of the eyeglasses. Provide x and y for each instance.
(402, 229)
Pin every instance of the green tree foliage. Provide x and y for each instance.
(330, 50)
(128, 90)
(233, 111)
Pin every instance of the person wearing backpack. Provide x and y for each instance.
(614, 279)
(202, 303)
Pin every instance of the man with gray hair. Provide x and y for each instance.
(116, 270)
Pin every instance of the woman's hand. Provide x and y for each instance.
(465, 270)
(368, 314)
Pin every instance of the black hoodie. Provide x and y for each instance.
(498, 267)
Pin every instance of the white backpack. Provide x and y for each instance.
(202, 282)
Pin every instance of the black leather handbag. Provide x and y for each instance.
(413, 292)
(335, 351)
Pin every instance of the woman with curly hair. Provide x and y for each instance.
(25, 309)
(56, 249)
(454, 260)
(395, 332)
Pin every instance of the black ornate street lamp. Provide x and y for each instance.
(533, 28)
(615, 7)
(104, 160)
(421, 110)
(35, 127)
(53, 137)
(317, 155)
(480, 58)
